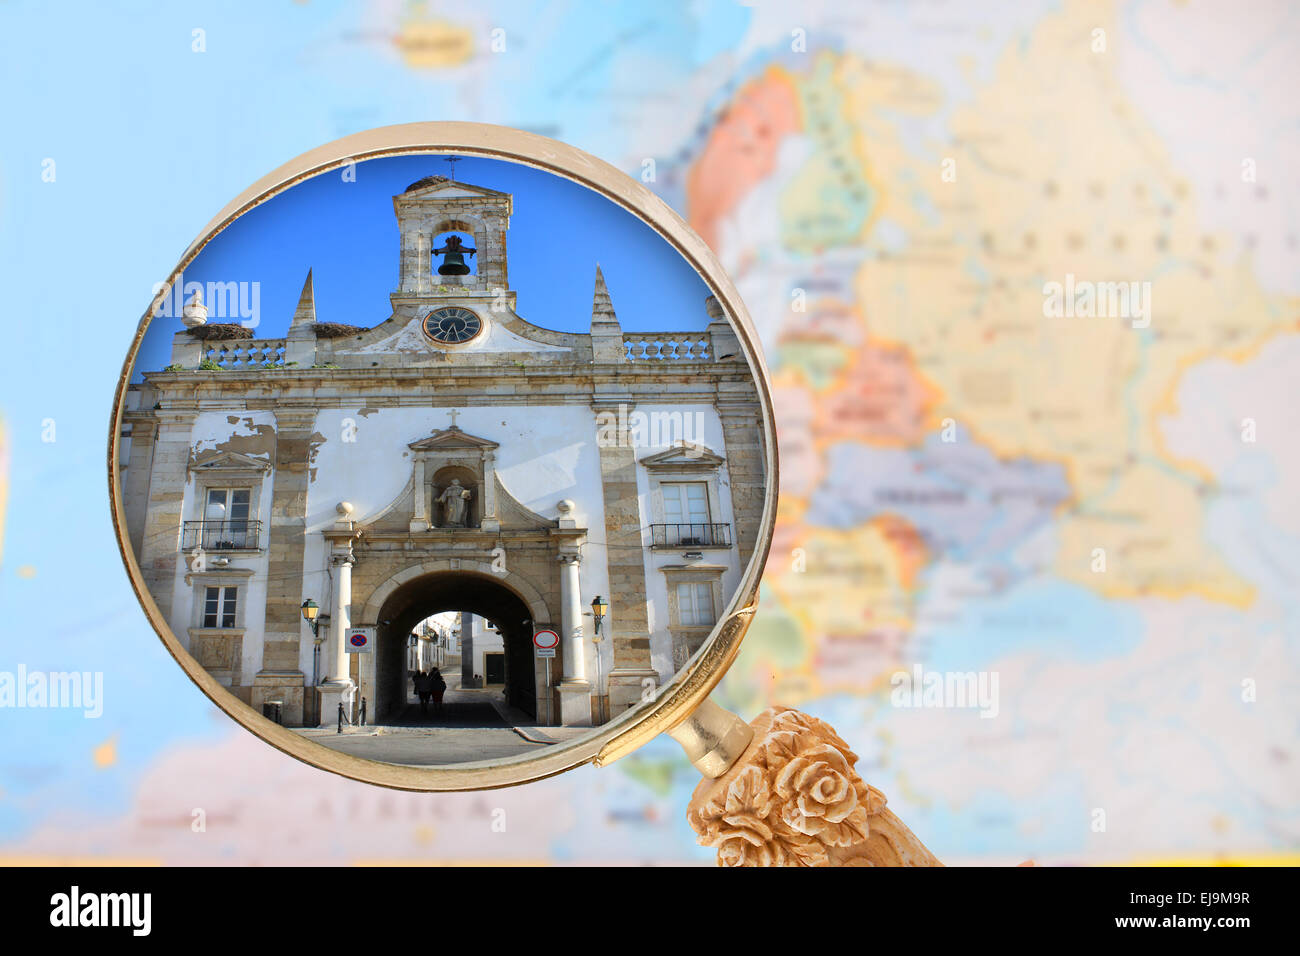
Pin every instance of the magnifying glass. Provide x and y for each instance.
(457, 433)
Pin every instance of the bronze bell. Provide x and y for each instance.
(453, 257)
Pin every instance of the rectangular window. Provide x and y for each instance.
(225, 518)
(695, 604)
(219, 606)
(686, 502)
(686, 514)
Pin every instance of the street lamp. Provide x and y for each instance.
(309, 611)
(599, 607)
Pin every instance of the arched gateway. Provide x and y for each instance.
(453, 456)
(506, 600)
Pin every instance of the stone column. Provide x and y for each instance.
(575, 656)
(424, 263)
(575, 691)
(742, 436)
(336, 685)
(281, 675)
(629, 623)
(135, 480)
(341, 618)
(406, 281)
(160, 542)
(492, 253)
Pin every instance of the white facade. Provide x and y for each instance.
(353, 451)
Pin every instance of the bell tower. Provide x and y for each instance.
(434, 215)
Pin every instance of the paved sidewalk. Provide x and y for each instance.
(475, 724)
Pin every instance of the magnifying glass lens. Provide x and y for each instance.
(442, 474)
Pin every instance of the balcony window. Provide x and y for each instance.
(242, 535)
(713, 535)
(686, 502)
(227, 504)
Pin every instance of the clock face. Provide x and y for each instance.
(452, 325)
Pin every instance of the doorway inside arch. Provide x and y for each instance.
(483, 650)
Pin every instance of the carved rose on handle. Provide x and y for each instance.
(794, 799)
(818, 797)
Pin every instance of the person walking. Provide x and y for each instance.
(437, 686)
(424, 688)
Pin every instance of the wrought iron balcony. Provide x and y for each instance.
(222, 535)
(708, 535)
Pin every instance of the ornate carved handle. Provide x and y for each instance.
(791, 797)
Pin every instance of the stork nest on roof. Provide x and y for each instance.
(220, 331)
(336, 330)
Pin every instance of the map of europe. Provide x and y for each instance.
(1101, 512)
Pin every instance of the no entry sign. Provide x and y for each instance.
(544, 639)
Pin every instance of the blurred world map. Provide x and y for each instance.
(891, 185)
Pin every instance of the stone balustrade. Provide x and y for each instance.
(245, 353)
(638, 347)
(667, 347)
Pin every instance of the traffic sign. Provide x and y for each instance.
(359, 640)
(546, 652)
(545, 639)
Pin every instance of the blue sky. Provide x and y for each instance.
(151, 139)
(346, 233)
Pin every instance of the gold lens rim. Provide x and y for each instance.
(688, 689)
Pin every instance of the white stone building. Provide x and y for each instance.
(483, 656)
(453, 457)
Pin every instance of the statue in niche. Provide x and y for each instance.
(455, 504)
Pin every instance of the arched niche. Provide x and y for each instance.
(469, 479)
(451, 453)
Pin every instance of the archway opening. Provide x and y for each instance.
(462, 592)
